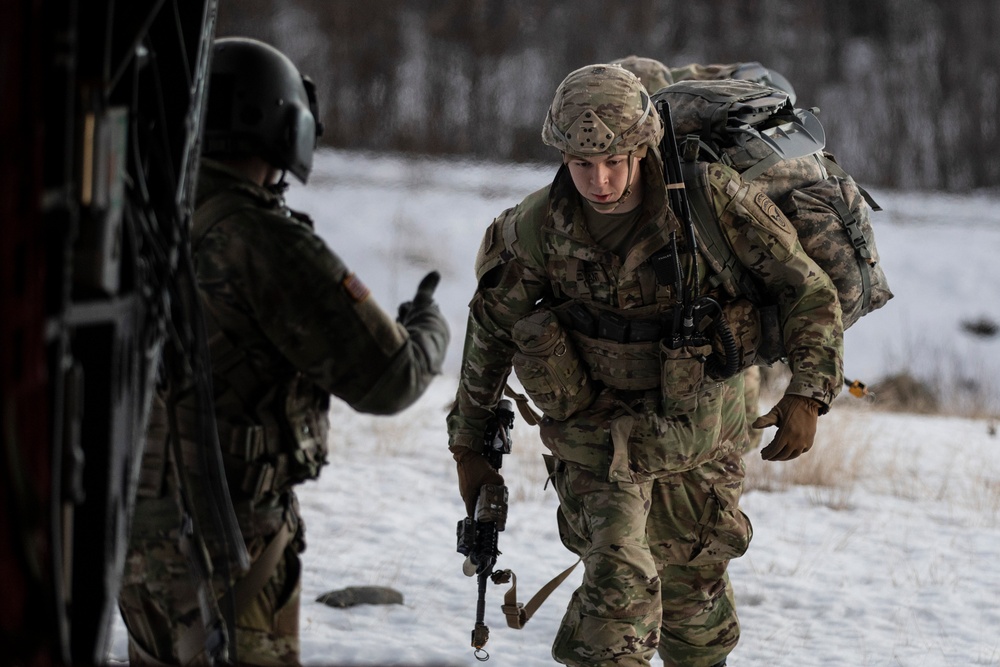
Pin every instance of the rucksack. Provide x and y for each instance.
(755, 130)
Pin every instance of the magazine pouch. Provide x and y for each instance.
(548, 366)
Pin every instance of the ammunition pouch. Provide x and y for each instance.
(259, 464)
(254, 469)
(548, 366)
(566, 354)
(306, 408)
(620, 352)
(286, 449)
(266, 458)
(629, 366)
(682, 376)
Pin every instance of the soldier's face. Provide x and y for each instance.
(602, 180)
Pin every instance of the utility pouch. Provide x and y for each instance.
(548, 366)
(682, 376)
(306, 413)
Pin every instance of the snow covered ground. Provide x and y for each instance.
(889, 557)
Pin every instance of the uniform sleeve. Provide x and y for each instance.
(506, 292)
(767, 244)
(319, 315)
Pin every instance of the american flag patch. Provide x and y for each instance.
(357, 289)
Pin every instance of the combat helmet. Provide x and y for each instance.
(260, 104)
(651, 72)
(601, 109)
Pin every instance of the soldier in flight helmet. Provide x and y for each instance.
(289, 326)
(581, 288)
(260, 104)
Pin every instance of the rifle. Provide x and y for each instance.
(692, 308)
(478, 536)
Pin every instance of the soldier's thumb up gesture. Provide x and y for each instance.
(426, 325)
(795, 417)
(424, 297)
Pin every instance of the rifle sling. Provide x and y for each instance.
(191, 643)
(523, 406)
(519, 614)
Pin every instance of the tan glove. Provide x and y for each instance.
(473, 472)
(795, 417)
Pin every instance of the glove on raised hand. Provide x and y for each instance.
(795, 417)
(423, 320)
(474, 471)
(423, 298)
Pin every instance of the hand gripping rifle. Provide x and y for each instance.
(478, 536)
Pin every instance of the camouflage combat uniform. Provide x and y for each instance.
(289, 325)
(654, 76)
(648, 450)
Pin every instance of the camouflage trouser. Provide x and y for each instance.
(655, 556)
(159, 605)
(751, 397)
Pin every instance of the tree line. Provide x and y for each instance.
(908, 90)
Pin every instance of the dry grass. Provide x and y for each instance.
(525, 472)
(987, 499)
(840, 458)
(839, 463)
(851, 453)
(833, 467)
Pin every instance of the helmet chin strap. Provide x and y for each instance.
(610, 208)
(279, 186)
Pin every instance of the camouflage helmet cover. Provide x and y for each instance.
(601, 110)
(653, 74)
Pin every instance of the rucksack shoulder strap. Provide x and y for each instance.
(715, 247)
(762, 165)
